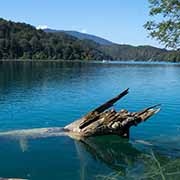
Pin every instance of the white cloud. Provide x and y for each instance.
(83, 31)
(42, 27)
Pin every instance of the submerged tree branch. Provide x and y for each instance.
(101, 121)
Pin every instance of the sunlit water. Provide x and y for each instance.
(53, 94)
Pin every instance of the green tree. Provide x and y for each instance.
(24, 44)
(35, 44)
(14, 49)
(1, 55)
(166, 25)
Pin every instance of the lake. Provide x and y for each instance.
(53, 94)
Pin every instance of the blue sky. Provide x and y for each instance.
(120, 21)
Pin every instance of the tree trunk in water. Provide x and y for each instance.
(101, 121)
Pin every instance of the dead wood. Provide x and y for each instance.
(104, 121)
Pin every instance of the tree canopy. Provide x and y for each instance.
(23, 41)
(165, 23)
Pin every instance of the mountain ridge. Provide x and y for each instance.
(24, 41)
(88, 36)
(82, 36)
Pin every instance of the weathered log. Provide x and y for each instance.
(111, 102)
(101, 122)
(93, 115)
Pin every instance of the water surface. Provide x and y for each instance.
(48, 94)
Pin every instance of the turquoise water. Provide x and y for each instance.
(48, 94)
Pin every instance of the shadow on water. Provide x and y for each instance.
(127, 162)
(108, 157)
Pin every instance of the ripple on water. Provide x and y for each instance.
(35, 94)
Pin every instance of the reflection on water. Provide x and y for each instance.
(126, 162)
(53, 94)
(108, 157)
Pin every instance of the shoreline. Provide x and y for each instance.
(129, 62)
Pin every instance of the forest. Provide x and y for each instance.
(23, 41)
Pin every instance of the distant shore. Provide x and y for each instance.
(95, 61)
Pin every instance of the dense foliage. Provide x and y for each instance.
(141, 53)
(22, 41)
(167, 28)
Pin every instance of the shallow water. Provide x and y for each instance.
(49, 94)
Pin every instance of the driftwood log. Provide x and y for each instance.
(102, 121)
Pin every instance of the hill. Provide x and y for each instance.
(82, 36)
(23, 41)
(140, 53)
(126, 52)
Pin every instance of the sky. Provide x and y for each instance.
(120, 21)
